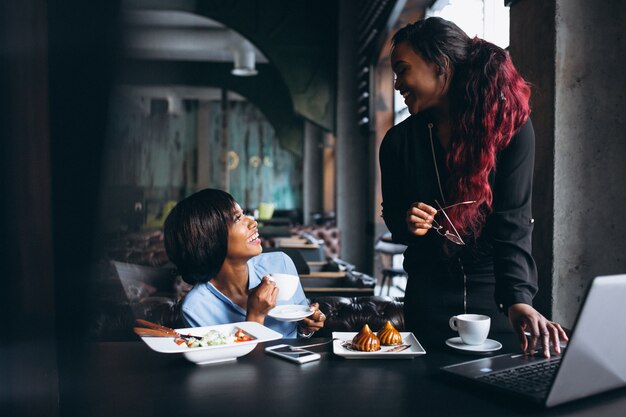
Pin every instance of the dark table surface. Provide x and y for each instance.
(129, 379)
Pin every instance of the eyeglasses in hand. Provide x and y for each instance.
(453, 237)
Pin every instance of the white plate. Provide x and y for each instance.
(217, 353)
(407, 338)
(488, 346)
(290, 312)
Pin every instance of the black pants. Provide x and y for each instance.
(435, 291)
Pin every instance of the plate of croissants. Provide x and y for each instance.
(386, 343)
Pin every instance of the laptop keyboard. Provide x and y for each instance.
(534, 378)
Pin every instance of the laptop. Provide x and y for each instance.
(594, 360)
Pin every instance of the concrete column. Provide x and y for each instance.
(224, 147)
(590, 147)
(584, 219)
(353, 160)
(204, 147)
(533, 53)
(313, 180)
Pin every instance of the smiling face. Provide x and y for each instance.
(419, 82)
(243, 237)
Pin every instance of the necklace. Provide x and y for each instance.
(432, 148)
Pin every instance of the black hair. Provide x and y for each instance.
(196, 234)
(436, 40)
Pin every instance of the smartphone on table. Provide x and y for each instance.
(293, 354)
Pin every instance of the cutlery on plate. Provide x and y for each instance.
(398, 348)
(156, 330)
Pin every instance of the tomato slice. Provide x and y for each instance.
(241, 336)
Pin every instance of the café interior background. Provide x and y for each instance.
(72, 112)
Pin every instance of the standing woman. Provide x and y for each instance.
(457, 184)
(217, 248)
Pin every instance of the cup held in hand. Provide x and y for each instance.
(286, 284)
(473, 328)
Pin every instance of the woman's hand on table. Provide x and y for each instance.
(524, 318)
(419, 218)
(315, 321)
(261, 300)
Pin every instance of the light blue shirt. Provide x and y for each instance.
(205, 305)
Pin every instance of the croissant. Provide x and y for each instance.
(366, 340)
(389, 336)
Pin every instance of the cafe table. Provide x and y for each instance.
(129, 379)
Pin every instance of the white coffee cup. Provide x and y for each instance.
(287, 285)
(473, 328)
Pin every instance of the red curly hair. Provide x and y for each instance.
(492, 103)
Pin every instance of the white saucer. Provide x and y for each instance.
(290, 312)
(488, 346)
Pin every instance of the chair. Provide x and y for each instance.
(387, 250)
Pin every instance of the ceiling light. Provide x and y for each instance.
(244, 58)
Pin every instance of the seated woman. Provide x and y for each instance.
(217, 249)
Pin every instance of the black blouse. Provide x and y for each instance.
(408, 175)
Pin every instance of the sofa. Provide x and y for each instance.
(328, 234)
(155, 294)
(349, 314)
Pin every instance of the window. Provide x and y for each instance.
(487, 19)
